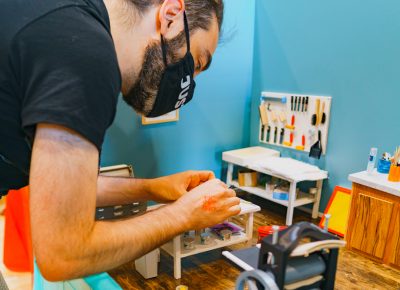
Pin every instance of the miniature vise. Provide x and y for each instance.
(284, 261)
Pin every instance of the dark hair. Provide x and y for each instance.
(199, 12)
(143, 92)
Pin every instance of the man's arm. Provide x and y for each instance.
(68, 243)
(121, 190)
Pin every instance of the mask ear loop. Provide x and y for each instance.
(164, 50)
(186, 31)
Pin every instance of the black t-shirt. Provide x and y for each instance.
(58, 65)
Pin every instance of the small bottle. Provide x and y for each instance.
(371, 160)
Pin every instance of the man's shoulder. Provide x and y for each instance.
(15, 15)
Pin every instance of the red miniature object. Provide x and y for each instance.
(209, 203)
(18, 255)
(266, 231)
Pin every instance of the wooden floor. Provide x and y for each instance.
(212, 271)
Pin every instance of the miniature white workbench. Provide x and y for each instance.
(246, 158)
(174, 248)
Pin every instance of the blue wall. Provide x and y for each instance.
(216, 120)
(347, 49)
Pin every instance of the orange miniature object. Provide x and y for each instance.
(18, 255)
(209, 203)
(290, 127)
(338, 207)
(394, 173)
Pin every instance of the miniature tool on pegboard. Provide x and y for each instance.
(294, 121)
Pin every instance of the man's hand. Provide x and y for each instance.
(207, 205)
(172, 187)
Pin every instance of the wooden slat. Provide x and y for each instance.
(371, 225)
(393, 251)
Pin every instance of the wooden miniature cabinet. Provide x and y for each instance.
(374, 223)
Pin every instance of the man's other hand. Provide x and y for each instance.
(207, 205)
(172, 187)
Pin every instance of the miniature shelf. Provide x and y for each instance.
(250, 158)
(199, 248)
(175, 249)
(302, 198)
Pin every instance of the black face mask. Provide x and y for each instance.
(177, 84)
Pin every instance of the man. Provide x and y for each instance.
(62, 66)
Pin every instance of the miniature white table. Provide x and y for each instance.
(246, 157)
(174, 247)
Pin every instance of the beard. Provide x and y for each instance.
(142, 94)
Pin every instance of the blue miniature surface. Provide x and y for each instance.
(280, 195)
(384, 166)
(95, 282)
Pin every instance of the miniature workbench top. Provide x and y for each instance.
(377, 181)
(269, 162)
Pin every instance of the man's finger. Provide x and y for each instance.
(205, 175)
(221, 183)
(222, 193)
(229, 193)
(230, 202)
(194, 181)
(199, 177)
(235, 210)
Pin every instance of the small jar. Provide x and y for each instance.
(225, 235)
(198, 233)
(188, 243)
(313, 191)
(384, 166)
(205, 239)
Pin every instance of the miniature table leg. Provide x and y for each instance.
(229, 174)
(177, 257)
(292, 200)
(317, 199)
(249, 228)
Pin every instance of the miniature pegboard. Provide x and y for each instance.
(279, 111)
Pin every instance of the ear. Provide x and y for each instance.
(171, 18)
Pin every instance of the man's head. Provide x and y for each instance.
(156, 18)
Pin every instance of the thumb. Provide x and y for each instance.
(199, 177)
